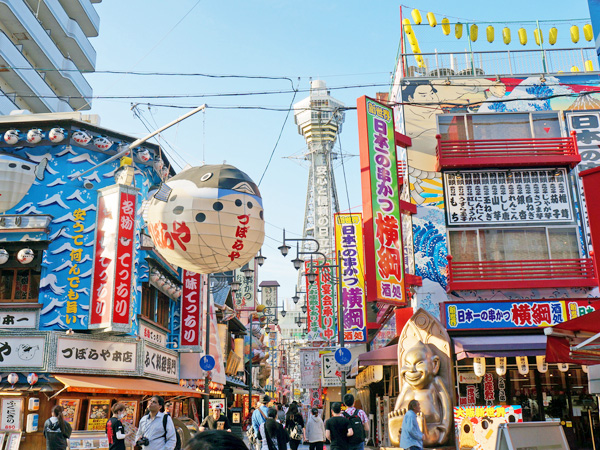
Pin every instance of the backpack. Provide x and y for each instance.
(254, 437)
(178, 443)
(357, 427)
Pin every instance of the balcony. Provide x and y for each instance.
(487, 153)
(555, 273)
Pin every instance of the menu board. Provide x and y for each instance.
(13, 441)
(98, 414)
(70, 410)
(85, 440)
(131, 407)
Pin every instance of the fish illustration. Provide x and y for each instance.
(13, 167)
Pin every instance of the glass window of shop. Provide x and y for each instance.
(19, 285)
(155, 305)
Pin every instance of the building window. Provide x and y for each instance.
(162, 309)
(155, 305)
(19, 285)
(514, 244)
(148, 301)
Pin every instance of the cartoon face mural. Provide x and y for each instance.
(211, 222)
(16, 177)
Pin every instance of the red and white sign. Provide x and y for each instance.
(190, 309)
(113, 258)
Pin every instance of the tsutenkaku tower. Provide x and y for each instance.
(319, 118)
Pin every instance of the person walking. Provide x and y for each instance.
(216, 421)
(411, 436)
(359, 422)
(294, 425)
(115, 431)
(338, 429)
(57, 430)
(314, 433)
(259, 416)
(156, 430)
(280, 413)
(273, 435)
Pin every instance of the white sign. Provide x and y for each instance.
(161, 363)
(22, 351)
(18, 319)
(95, 355)
(269, 296)
(468, 378)
(372, 374)
(331, 375)
(310, 366)
(212, 402)
(12, 409)
(151, 335)
(507, 196)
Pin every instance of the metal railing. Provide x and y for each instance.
(498, 62)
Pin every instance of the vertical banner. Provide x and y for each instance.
(328, 299)
(349, 251)
(190, 310)
(384, 259)
(110, 301)
(313, 300)
(245, 298)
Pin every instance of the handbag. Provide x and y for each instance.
(296, 432)
(253, 438)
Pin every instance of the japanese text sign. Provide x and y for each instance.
(161, 363)
(313, 301)
(507, 196)
(269, 297)
(22, 352)
(331, 374)
(310, 366)
(349, 250)
(113, 259)
(384, 258)
(95, 356)
(321, 302)
(517, 314)
(245, 297)
(11, 412)
(190, 309)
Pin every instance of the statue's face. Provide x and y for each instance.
(419, 367)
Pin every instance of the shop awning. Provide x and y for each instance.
(576, 341)
(386, 356)
(492, 346)
(116, 385)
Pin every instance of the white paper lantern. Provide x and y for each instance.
(144, 155)
(81, 137)
(3, 256)
(12, 378)
(11, 137)
(154, 275)
(501, 365)
(32, 378)
(522, 365)
(563, 367)
(35, 135)
(213, 218)
(103, 143)
(25, 255)
(542, 365)
(161, 281)
(158, 165)
(479, 366)
(57, 135)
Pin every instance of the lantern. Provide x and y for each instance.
(56, 135)
(25, 255)
(3, 256)
(506, 35)
(11, 137)
(539, 37)
(563, 367)
(103, 143)
(34, 135)
(474, 32)
(575, 34)
(445, 26)
(406, 26)
(522, 365)
(12, 379)
(164, 172)
(416, 15)
(212, 220)
(588, 33)
(542, 365)
(158, 165)
(458, 30)
(489, 31)
(162, 280)
(479, 366)
(154, 275)
(431, 19)
(32, 378)
(552, 35)
(522, 36)
(144, 155)
(81, 137)
(501, 365)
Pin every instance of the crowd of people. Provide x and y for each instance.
(270, 427)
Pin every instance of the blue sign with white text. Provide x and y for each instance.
(207, 362)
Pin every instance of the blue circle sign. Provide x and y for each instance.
(343, 356)
(207, 362)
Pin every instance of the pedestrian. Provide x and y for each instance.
(156, 430)
(411, 436)
(314, 432)
(216, 421)
(294, 424)
(114, 428)
(169, 411)
(215, 440)
(57, 430)
(273, 435)
(259, 416)
(338, 429)
(359, 421)
(280, 413)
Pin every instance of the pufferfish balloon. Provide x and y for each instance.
(212, 220)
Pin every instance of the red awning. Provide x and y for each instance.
(575, 341)
(386, 356)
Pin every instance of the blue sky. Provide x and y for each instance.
(345, 43)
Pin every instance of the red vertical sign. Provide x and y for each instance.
(190, 309)
(124, 260)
